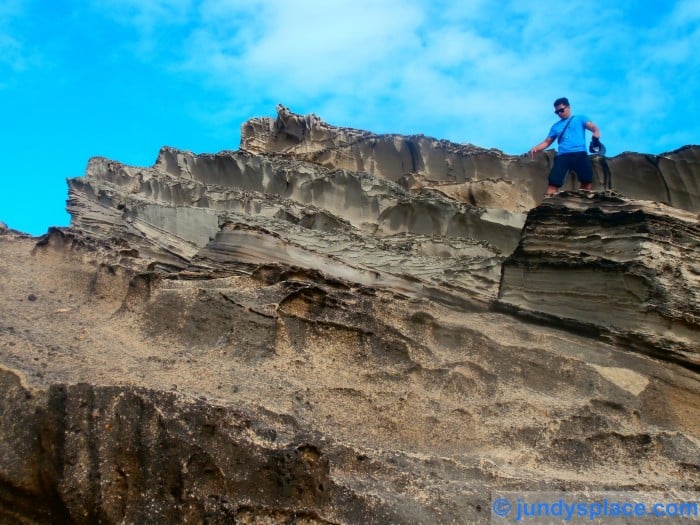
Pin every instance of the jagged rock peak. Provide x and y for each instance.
(300, 128)
(467, 171)
(390, 155)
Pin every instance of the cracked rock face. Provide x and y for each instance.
(332, 326)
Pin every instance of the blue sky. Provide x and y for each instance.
(122, 78)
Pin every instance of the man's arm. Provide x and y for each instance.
(595, 129)
(542, 145)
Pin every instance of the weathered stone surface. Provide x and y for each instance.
(604, 263)
(471, 172)
(251, 337)
(181, 201)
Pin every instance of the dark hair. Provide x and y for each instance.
(562, 100)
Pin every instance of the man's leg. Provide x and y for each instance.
(557, 174)
(584, 171)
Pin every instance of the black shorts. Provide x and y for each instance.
(578, 162)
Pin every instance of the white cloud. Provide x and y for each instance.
(14, 58)
(153, 23)
(476, 71)
(307, 47)
(686, 12)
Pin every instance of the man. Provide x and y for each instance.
(570, 132)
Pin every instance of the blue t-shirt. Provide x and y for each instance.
(574, 138)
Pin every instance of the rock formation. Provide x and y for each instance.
(485, 178)
(334, 326)
(631, 271)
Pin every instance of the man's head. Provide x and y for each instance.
(561, 107)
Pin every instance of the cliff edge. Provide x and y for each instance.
(331, 326)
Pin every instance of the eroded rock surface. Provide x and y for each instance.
(313, 331)
(487, 178)
(628, 269)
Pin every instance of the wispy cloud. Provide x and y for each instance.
(314, 47)
(472, 71)
(13, 57)
(154, 23)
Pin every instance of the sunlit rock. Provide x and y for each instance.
(331, 326)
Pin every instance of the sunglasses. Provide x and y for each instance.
(559, 111)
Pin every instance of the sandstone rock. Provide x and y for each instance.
(670, 178)
(610, 265)
(318, 329)
(181, 201)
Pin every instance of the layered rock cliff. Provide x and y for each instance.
(334, 326)
(618, 268)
